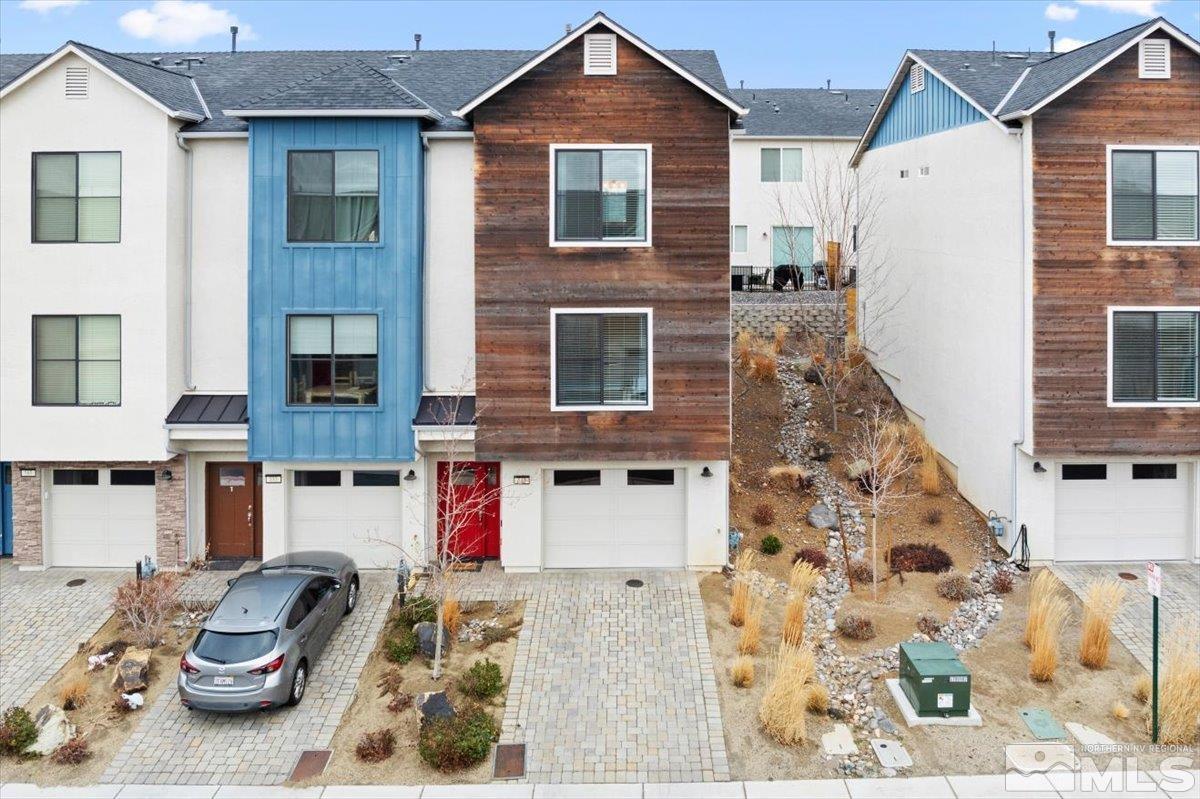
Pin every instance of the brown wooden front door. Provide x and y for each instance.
(232, 519)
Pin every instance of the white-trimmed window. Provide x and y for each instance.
(781, 165)
(600, 359)
(601, 195)
(739, 239)
(916, 79)
(1154, 59)
(1152, 195)
(1154, 356)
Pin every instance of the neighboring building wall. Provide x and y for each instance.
(450, 271)
(934, 109)
(1077, 276)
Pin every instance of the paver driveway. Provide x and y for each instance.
(43, 621)
(174, 745)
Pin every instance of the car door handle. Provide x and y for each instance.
(304, 639)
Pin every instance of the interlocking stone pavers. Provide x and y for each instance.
(1132, 626)
(43, 621)
(174, 745)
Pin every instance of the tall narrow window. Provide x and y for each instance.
(333, 196)
(1155, 356)
(1154, 195)
(333, 360)
(77, 197)
(76, 360)
(781, 164)
(601, 359)
(738, 238)
(601, 195)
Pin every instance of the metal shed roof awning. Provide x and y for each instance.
(441, 410)
(209, 409)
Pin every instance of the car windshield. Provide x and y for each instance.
(233, 647)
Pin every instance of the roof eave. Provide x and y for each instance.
(410, 113)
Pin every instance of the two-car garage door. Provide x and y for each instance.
(613, 518)
(1122, 511)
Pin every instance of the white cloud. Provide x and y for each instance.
(1061, 13)
(180, 22)
(46, 6)
(1065, 44)
(1142, 8)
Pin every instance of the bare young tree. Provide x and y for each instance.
(887, 459)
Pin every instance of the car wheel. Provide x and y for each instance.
(351, 596)
(299, 683)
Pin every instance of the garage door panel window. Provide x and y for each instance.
(317, 478)
(131, 477)
(1084, 471)
(1155, 471)
(650, 477)
(576, 477)
(368, 479)
(77, 360)
(1155, 356)
(76, 477)
(601, 360)
(333, 359)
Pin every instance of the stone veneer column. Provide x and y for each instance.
(170, 512)
(27, 515)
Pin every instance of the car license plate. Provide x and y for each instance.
(222, 681)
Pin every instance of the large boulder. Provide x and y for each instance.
(427, 637)
(133, 671)
(434, 705)
(54, 729)
(822, 517)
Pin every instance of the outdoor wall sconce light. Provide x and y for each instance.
(1038, 468)
(412, 475)
(706, 472)
(166, 475)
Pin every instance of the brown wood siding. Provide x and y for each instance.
(1077, 275)
(684, 276)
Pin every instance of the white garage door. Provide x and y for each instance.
(101, 517)
(614, 518)
(1122, 511)
(355, 512)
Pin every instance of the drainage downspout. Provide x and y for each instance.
(1020, 440)
(187, 266)
(425, 387)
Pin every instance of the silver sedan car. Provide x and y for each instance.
(259, 645)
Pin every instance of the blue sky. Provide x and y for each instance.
(766, 44)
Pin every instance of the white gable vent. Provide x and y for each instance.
(77, 82)
(600, 54)
(916, 79)
(1154, 58)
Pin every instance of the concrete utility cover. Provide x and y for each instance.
(1043, 726)
(891, 754)
(839, 742)
(1039, 758)
(1087, 736)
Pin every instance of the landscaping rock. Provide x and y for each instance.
(54, 729)
(133, 701)
(820, 451)
(427, 638)
(839, 742)
(822, 517)
(133, 672)
(435, 705)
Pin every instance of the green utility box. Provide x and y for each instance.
(934, 679)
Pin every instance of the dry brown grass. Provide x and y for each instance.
(764, 366)
(1142, 688)
(1044, 586)
(751, 636)
(145, 607)
(73, 693)
(1120, 710)
(739, 601)
(928, 473)
(1100, 604)
(1179, 690)
(743, 347)
(451, 614)
(789, 476)
(1043, 660)
(780, 341)
(783, 707)
(803, 579)
(818, 699)
(742, 671)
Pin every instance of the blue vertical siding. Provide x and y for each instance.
(911, 116)
(381, 278)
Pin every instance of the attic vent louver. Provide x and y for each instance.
(600, 54)
(916, 79)
(77, 82)
(1154, 58)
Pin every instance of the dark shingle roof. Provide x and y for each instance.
(807, 112)
(352, 85)
(209, 409)
(977, 74)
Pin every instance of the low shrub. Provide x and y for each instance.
(813, 557)
(794, 477)
(771, 545)
(932, 517)
(375, 747)
(818, 699)
(859, 628)
(861, 571)
(17, 731)
(955, 586)
(741, 673)
(763, 514)
(71, 753)
(456, 742)
(401, 647)
(400, 702)
(414, 611)
(73, 693)
(927, 558)
(1002, 582)
(483, 680)
(929, 625)
(390, 682)
(451, 615)
(495, 635)
(144, 607)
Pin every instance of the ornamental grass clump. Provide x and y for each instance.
(928, 473)
(1101, 601)
(739, 601)
(783, 707)
(1042, 589)
(801, 581)
(751, 636)
(1043, 659)
(1142, 688)
(818, 699)
(1179, 689)
(741, 673)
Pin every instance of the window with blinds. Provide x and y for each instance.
(601, 359)
(600, 195)
(333, 360)
(77, 197)
(333, 196)
(76, 360)
(1155, 356)
(1154, 195)
(781, 165)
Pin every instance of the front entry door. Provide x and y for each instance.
(469, 508)
(232, 518)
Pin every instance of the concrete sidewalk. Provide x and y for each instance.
(1132, 784)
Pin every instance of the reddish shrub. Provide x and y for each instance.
(955, 586)
(860, 628)
(929, 558)
(933, 517)
(377, 746)
(1002, 582)
(861, 571)
(763, 515)
(813, 557)
(72, 753)
(929, 625)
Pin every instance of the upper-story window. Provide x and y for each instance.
(333, 195)
(601, 195)
(601, 359)
(77, 197)
(77, 360)
(1153, 195)
(782, 164)
(1154, 356)
(333, 360)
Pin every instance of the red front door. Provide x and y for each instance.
(469, 508)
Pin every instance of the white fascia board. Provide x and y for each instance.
(598, 19)
(468, 135)
(206, 432)
(1012, 89)
(216, 134)
(960, 92)
(884, 103)
(765, 136)
(418, 113)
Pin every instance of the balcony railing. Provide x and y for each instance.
(788, 277)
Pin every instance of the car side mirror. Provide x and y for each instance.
(231, 581)
(337, 585)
